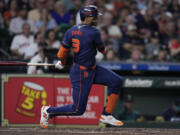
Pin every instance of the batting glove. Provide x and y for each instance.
(59, 65)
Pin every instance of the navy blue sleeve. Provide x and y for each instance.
(67, 41)
(98, 42)
(97, 39)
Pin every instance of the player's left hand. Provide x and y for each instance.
(59, 65)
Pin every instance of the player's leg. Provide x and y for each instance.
(81, 82)
(114, 83)
(81, 88)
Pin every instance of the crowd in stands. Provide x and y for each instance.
(132, 30)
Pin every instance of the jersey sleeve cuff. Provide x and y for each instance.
(101, 49)
(65, 45)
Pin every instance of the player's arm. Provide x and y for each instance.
(99, 43)
(62, 54)
(64, 50)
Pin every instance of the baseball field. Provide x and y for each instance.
(87, 131)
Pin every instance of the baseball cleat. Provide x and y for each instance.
(109, 119)
(44, 117)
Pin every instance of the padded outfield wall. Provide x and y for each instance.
(22, 97)
(154, 87)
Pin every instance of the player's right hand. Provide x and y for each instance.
(59, 65)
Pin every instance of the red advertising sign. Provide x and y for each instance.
(24, 96)
(94, 107)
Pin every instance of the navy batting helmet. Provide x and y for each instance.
(88, 11)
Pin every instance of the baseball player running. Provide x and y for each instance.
(85, 40)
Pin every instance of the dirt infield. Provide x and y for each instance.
(87, 131)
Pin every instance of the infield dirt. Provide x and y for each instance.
(87, 131)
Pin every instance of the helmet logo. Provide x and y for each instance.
(88, 13)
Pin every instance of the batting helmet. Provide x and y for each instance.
(88, 11)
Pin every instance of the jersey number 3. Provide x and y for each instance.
(75, 43)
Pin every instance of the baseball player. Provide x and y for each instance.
(85, 40)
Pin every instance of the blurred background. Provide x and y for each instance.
(142, 38)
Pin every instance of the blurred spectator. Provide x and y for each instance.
(21, 42)
(169, 34)
(168, 16)
(28, 3)
(46, 22)
(157, 10)
(60, 15)
(39, 58)
(178, 26)
(175, 49)
(1, 22)
(31, 4)
(32, 49)
(123, 15)
(118, 4)
(128, 112)
(50, 5)
(16, 23)
(165, 2)
(110, 55)
(131, 41)
(120, 19)
(136, 13)
(127, 3)
(142, 5)
(11, 12)
(101, 5)
(163, 19)
(174, 7)
(2, 6)
(113, 30)
(172, 113)
(162, 55)
(35, 14)
(68, 4)
(73, 11)
(129, 20)
(148, 25)
(152, 48)
(51, 39)
(92, 2)
(136, 56)
(109, 6)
